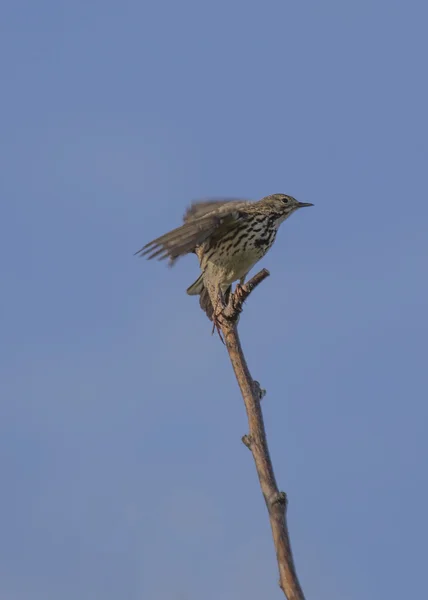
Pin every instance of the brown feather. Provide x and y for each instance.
(202, 207)
(195, 231)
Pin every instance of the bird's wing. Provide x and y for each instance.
(202, 207)
(196, 231)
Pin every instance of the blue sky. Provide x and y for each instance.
(123, 474)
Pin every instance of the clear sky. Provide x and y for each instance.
(122, 470)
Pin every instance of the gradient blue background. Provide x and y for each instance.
(122, 470)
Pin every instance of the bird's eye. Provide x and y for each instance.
(285, 200)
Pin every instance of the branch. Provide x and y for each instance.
(255, 440)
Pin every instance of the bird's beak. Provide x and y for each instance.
(303, 204)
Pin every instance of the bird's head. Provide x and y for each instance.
(283, 205)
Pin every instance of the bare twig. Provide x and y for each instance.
(255, 440)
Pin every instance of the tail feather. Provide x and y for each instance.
(206, 304)
(204, 297)
(197, 287)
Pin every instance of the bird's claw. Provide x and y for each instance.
(217, 325)
(239, 291)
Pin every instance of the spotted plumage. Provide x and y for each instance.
(228, 236)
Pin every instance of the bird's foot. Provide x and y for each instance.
(239, 292)
(235, 301)
(217, 326)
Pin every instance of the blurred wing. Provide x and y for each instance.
(202, 207)
(196, 230)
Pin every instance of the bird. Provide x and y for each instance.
(229, 236)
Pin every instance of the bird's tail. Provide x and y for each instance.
(198, 288)
(206, 304)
